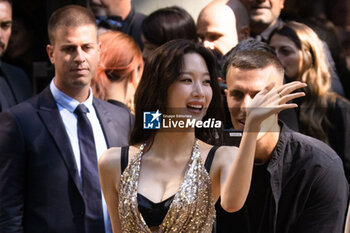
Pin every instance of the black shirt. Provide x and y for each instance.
(259, 193)
(132, 26)
(6, 92)
(309, 191)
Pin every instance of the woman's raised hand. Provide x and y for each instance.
(271, 101)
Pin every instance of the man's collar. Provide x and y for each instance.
(267, 32)
(68, 102)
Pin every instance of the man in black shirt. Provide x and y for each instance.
(298, 183)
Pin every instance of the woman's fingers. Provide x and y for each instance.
(290, 97)
(289, 88)
(271, 100)
(284, 107)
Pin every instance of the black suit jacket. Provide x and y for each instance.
(18, 82)
(40, 191)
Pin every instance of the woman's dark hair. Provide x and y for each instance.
(168, 24)
(161, 70)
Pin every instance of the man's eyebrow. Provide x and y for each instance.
(193, 72)
(233, 91)
(6, 22)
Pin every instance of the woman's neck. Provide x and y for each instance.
(117, 91)
(169, 144)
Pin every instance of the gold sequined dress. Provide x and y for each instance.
(192, 209)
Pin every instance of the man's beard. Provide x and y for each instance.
(2, 49)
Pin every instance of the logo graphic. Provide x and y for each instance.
(151, 120)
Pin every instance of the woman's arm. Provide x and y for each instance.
(110, 172)
(236, 177)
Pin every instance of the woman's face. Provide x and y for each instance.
(191, 93)
(288, 54)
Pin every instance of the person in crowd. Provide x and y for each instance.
(119, 71)
(265, 18)
(50, 144)
(221, 25)
(166, 24)
(323, 114)
(124, 18)
(346, 70)
(298, 182)
(337, 11)
(104, 23)
(327, 33)
(163, 186)
(15, 86)
(288, 116)
(97, 8)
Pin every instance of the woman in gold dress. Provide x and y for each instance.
(164, 182)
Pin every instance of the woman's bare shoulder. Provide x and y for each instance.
(226, 153)
(110, 159)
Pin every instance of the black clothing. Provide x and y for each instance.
(154, 213)
(259, 194)
(266, 34)
(308, 186)
(339, 136)
(6, 91)
(132, 26)
(15, 86)
(118, 103)
(338, 114)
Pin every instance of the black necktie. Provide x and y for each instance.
(89, 173)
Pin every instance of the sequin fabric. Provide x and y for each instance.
(192, 209)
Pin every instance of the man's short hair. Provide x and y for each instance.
(69, 16)
(255, 59)
(255, 55)
(9, 1)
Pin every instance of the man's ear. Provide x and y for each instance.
(50, 53)
(282, 4)
(226, 92)
(99, 51)
(244, 33)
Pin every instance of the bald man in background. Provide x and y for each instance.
(222, 24)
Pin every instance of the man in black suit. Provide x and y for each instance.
(43, 185)
(14, 83)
